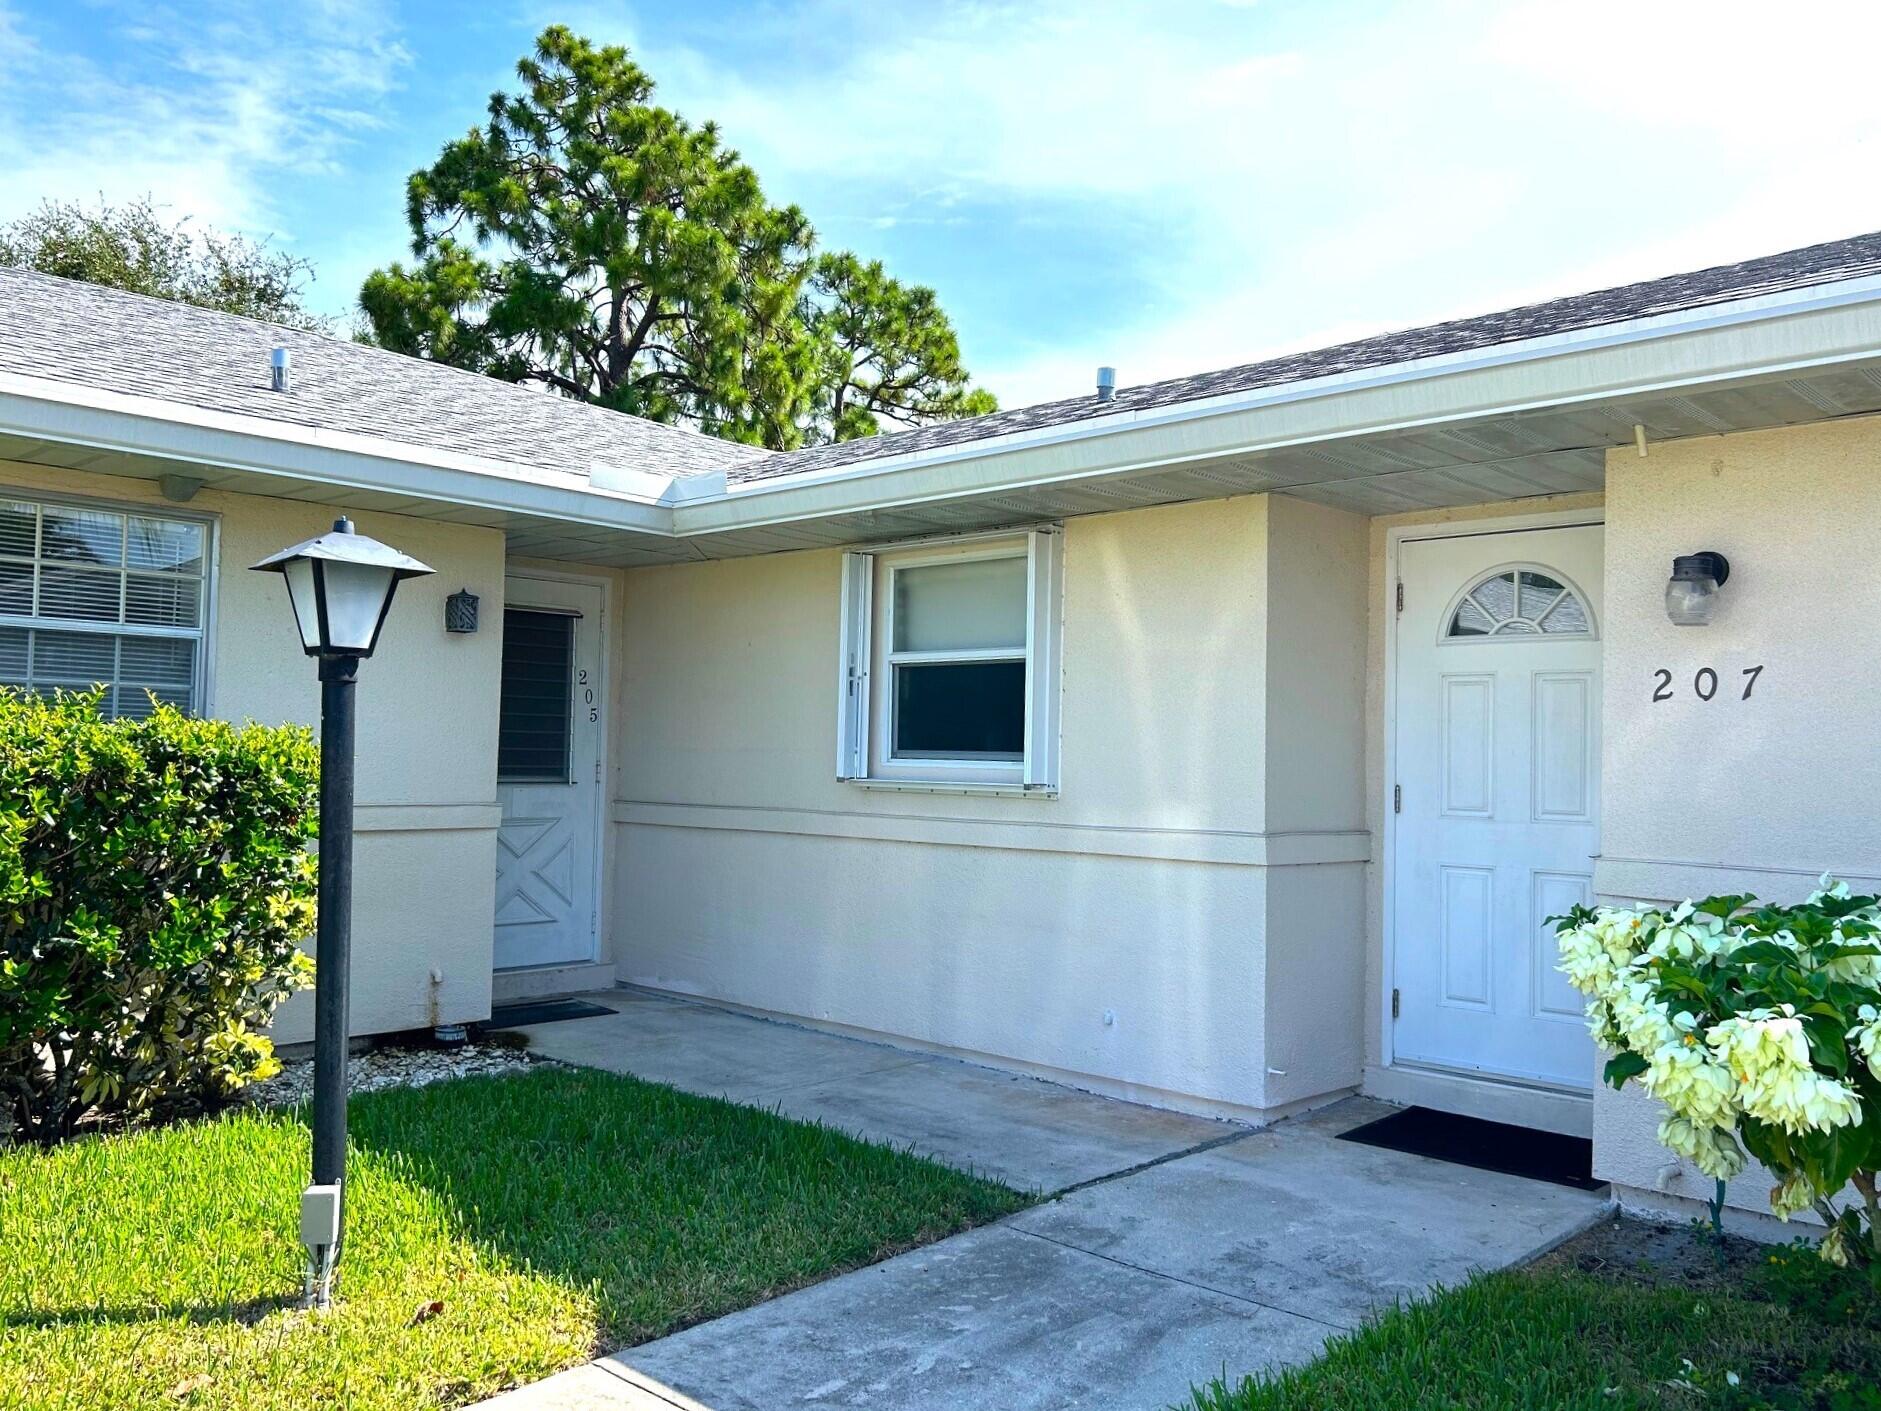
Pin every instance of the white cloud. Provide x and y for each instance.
(1261, 177)
(1311, 175)
(209, 107)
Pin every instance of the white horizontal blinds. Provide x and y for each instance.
(852, 683)
(974, 605)
(1044, 596)
(102, 597)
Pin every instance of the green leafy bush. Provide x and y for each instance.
(154, 882)
(1759, 1028)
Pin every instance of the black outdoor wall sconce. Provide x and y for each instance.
(1692, 594)
(460, 611)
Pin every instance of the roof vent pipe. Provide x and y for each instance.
(1106, 384)
(278, 369)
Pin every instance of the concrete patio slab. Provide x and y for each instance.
(592, 1387)
(1028, 1133)
(1031, 1134)
(1181, 1249)
(1328, 1229)
(1124, 1294)
(706, 1050)
(994, 1318)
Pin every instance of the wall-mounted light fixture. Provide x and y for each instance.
(1692, 595)
(460, 611)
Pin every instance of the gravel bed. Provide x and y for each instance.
(393, 1068)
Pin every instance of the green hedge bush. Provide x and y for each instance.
(154, 884)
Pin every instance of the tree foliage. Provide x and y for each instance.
(134, 247)
(589, 240)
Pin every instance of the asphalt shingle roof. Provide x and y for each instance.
(129, 343)
(81, 333)
(1792, 269)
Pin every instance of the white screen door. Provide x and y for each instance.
(1498, 761)
(549, 773)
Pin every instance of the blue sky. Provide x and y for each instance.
(1166, 187)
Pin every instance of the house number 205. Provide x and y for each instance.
(1704, 683)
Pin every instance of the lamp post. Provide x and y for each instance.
(340, 586)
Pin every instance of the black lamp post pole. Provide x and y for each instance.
(334, 927)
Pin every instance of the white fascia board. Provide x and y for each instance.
(650, 488)
(641, 485)
(686, 488)
(1768, 336)
(48, 410)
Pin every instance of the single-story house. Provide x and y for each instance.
(1220, 743)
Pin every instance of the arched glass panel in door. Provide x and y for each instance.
(1520, 602)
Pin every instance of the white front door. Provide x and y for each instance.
(549, 773)
(1498, 814)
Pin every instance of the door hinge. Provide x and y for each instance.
(1400, 595)
(1396, 1004)
(1397, 798)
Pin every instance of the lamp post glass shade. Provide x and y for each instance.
(1691, 596)
(341, 585)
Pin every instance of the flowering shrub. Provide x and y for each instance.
(154, 881)
(1759, 1028)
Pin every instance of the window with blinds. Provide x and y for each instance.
(957, 657)
(948, 662)
(537, 697)
(103, 597)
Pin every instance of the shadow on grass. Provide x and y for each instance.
(667, 1207)
(244, 1313)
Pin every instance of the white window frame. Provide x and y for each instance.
(203, 634)
(865, 705)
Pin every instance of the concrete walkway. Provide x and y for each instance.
(1184, 1249)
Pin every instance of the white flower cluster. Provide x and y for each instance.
(1712, 1070)
(1865, 1038)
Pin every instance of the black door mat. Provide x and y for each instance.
(1488, 1146)
(529, 1013)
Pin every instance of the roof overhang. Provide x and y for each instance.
(1520, 419)
(83, 428)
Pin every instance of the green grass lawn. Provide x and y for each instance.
(1560, 1340)
(553, 1214)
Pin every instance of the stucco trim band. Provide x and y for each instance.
(1217, 846)
(1666, 879)
(426, 818)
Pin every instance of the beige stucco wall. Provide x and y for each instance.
(1010, 927)
(1315, 797)
(1733, 795)
(424, 848)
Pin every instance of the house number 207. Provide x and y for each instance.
(1704, 683)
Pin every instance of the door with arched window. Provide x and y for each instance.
(1497, 750)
